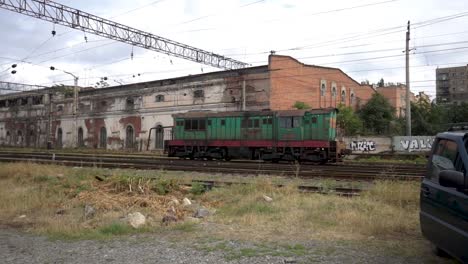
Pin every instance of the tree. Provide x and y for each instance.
(378, 114)
(427, 118)
(381, 83)
(301, 105)
(348, 121)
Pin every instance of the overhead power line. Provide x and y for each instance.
(77, 19)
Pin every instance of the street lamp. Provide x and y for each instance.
(75, 100)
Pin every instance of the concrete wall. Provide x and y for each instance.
(399, 144)
(125, 110)
(413, 144)
(370, 145)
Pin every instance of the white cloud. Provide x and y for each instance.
(246, 32)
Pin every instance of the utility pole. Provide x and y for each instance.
(408, 103)
(243, 95)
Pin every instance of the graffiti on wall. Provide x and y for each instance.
(363, 145)
(419, 143)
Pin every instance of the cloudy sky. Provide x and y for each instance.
(365, 38)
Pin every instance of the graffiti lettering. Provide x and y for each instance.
(417, 144)
(363, 146)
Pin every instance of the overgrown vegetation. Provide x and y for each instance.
(379, 118)
(50, 200)
(301, 105)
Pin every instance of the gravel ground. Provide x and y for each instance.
(19, 247)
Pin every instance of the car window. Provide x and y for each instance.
(444, 158)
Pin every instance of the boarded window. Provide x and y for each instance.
(334, 91)
(130, 103)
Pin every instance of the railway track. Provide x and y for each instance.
(352, 172)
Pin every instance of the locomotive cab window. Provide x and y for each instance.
(195, 124)
(267, 121)
(290, 122)
(250, 123)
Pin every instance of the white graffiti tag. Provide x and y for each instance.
(417, 144)
(363, 146)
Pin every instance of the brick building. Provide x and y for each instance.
(452, 85)
(396, 95)
(318, 86)
(135, 116)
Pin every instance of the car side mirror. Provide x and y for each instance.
(452, 179)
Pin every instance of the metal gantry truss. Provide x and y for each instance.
(9, 87)
(77, 19)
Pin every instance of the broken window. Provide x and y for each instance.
(130, 103)
(59, 108)
(199, 94)
(333, 91)
(37, 100)
(3, 103)
(159, 98)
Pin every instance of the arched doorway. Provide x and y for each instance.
(58, 142)
(19, 138)
(31, 139)
(103, 138)
(159, 138)
(8, 138)
(129, 137)
(80, 138)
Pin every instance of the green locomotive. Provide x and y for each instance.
(302, 135)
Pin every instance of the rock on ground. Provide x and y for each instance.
(186, 202)
(136, 220)
(89, 211)
(202, 213)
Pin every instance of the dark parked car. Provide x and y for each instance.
(444, 195)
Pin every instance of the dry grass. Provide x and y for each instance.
(388, 210)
